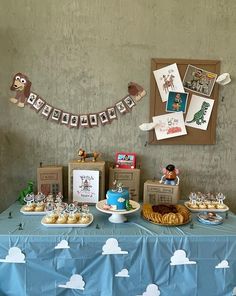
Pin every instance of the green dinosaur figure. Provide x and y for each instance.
(29, 189)
(199, 115)
(128, 205)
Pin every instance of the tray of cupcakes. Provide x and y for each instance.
(71, 216)
(36, 204)
(206, 202)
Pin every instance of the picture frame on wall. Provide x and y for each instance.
(93, 119)
(86, 186)
(125, 160)
(46, 111)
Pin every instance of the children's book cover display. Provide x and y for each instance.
(183, 98)
(86, 186)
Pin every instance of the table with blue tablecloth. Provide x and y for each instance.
(108, 259)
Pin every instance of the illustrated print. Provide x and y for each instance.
(103, 117)
(176, 102)
(85, 186)
(199, 116)
(168, 79)
(21, 85)
(46, 110)
(56, 114)
(199, 112)
(93, 119)
(111, 113)
(199, 80)
(65, 118)
(167, 126)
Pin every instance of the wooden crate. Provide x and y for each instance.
(156, 193)
(87, 165)
(130, 178)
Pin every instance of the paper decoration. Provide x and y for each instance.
(176, 102)
(22, 85)
(147, 126)
(168, 79)
(15, 255)
(169, 125)
(75, 282)
(152, 290)
(223, 264)
(123, 273)
(85, 186)
(199, 112)
(63, 244)
(112, 247)
(223, 79)
(199, 80)
(180, 258)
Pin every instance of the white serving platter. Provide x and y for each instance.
(206, 210)
(54, 225)
(35, 213)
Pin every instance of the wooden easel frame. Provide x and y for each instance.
(157, 107)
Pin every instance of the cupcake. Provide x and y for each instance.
(61, 219)
(84, 220)
(50, 219)
(220, 206)
(39, 208)
(29, 208)
(202, 206)
(211, 206)
(71, 220)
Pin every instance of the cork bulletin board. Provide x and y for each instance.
(157, 107)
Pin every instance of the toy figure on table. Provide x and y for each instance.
(170, 176)
(28, 190)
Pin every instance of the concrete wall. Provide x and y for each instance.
(80, 55)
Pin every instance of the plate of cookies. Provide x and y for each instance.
(65, 220)
(166, 215)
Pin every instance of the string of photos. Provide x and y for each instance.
(23, 96)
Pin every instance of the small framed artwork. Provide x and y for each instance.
(46, 111)
(129, 102)
(56, 114)
(103, 117)
(176, 102)
(86, 186)
(121, 107)
(38, 104)
(65, 118)
(32, 98)
(74, 120)
(111, 112)
(84, 122)
(199, 80)
(125, 160)
(93, 119)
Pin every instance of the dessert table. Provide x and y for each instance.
(108, 259)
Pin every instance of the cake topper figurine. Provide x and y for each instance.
(82, 154)
(21, 85)
(119, 187)
(170, 176)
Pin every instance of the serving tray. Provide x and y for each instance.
(65, 225)
(162, 224)
(206, 210)
(32, 213)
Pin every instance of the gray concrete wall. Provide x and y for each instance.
(81, 54)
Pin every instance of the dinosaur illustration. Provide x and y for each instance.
(199, 115)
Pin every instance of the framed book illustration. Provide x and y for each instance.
(86, 186)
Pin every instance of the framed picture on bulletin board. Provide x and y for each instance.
(185, 73)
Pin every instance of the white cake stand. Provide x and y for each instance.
(119, 215)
